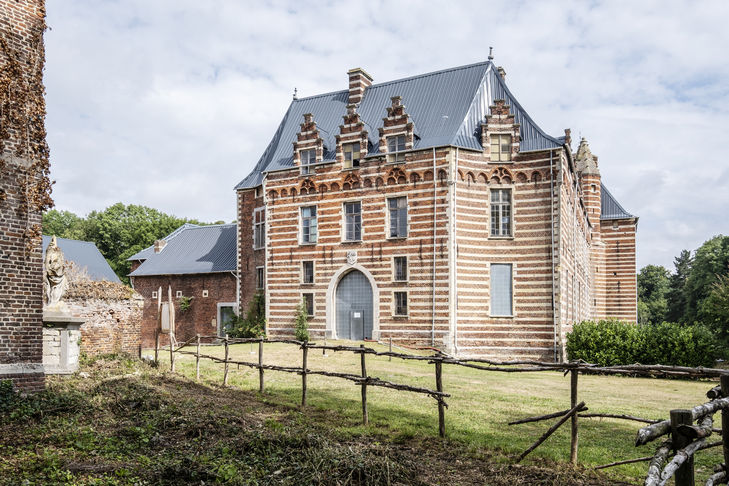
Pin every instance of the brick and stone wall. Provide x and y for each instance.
(200, 318)
(21, 337)
(111, 325)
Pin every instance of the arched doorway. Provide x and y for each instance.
(354, 315)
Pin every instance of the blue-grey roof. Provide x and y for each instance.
(149, 251)
(610, 208)
(194, 249)
(85, 256)
(446, 108)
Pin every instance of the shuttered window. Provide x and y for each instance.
(501, 289)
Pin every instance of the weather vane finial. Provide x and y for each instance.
(491, 53)
(295, 95)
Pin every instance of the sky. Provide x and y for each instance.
(170, 103)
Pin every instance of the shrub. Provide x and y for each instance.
(611, 342)
(253, 325)
(301, 328)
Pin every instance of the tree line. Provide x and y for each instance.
(118, 231)
(695, 292)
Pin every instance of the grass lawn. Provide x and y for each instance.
(480, 406)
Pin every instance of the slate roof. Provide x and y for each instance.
(149, 251)
(610, 208)
(194, 249)
(86, 256)
(446, 107)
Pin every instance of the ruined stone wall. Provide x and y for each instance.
(24, 191)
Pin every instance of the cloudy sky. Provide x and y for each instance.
(169, 103)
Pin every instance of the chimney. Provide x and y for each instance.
(502, 72)
(359, 80)
(159, 245)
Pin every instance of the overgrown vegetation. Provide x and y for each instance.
(185, 303)
(301, 322)
(611, 342)
(253, 325)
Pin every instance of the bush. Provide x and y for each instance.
(611, 342)
(253, 325)
(301, 328)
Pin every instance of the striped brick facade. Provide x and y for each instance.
(554, 244)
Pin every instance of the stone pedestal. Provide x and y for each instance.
(61, 342)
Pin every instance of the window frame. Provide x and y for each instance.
(260, 279)
(501, 155)
(394, 269)
(345, 238)
(303, 272)
(388, 227)
(259, 229)
(511, 290)
(307, 168)
(397, 154)
(500, 203)
(395, 313)
(301, 225)
(313, 303)
(352, 146)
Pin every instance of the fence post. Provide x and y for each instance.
(324, 351)
(365, 415)
(156, 347)
(225, 373)
(197, 360)
(685, 473)
(439, 387)
(304, 358)
(573, 401)
(260, 366)
(725, 419)
(389, 358)
(172, 353)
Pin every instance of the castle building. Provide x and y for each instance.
(432, 210)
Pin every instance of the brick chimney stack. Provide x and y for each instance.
(359, 80)
(159, 245)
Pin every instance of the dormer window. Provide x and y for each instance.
(500, 148)
(308, 157)
(395, 147)
(351, 155)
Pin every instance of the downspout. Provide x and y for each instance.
(554, 289)
(435, 211)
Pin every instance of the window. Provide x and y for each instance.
(308, 224)
(260, 280)
(353, 221)
(500, 148)
(500, 212)
(351, 155)
(307, 272)
(400, 264)
(501, 298)
(204, 293)
(308, 157)
(401, 303)
(259, 229)
(178, 294)
(154, 294)
(309, 303)
(395, 145)
(398, 207)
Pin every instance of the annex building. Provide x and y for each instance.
(435, 211)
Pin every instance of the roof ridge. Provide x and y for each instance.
(433, 73)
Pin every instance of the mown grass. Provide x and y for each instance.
(481, 405)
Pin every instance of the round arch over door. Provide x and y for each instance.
(354, 309)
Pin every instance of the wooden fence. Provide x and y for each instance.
(680, 424)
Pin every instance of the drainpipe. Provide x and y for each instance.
(554, 289)
(435, 211)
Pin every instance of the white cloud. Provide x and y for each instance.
(170, 103)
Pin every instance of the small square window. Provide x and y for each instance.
(178, 294)
(308, 157)
(260, 281)
(400, 264)
(395, 147)
(205, 293)
(500, 148)
(351, 155)
(307, 272)
(401, 303)
(308, 299)
(154, 294)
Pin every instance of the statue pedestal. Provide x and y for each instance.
(61, 341)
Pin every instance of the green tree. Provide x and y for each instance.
(715, 308)
(677, 294)
(301, 325)
(710, 262)
(64, 224)
(653, 285)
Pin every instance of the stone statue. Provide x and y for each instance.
(55, 274)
